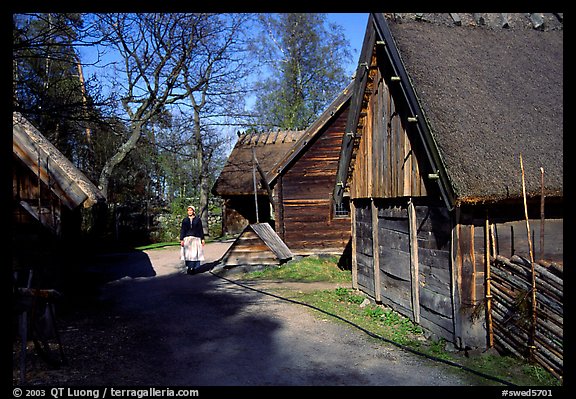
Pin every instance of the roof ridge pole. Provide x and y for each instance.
(537, 20)
(456, 19)
(504, 23)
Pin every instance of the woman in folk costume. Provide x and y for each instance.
(192, 241)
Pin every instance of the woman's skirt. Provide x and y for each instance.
(192, 249)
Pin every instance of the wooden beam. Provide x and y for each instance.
(488, 279)
(354, 258)
(414, 269)
(455, 275)
(360, 82)
(375, 252)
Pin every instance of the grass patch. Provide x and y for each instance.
(359, 309)
(158, 245)
(307, 269)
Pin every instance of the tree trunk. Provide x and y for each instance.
(111, 164)
(203, 168)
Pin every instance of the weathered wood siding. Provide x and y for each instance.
(512, 239)
(433, 234)
(385, 165)
(363, 255)
(424, 297)
(305, 195)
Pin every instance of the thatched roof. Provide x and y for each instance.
(489, 92)
(56, 171)
(236, 178)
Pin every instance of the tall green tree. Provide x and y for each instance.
(304, 57)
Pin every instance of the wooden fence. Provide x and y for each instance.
(512, 312)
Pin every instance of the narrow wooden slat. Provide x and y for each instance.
(414, 272)
(376, 252)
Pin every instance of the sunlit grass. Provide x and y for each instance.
(356, 307)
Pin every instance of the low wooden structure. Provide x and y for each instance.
(48, 194)
(443, 106)
(258, 244)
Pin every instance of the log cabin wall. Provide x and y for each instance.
(303, 195)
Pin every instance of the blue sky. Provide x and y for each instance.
(354, 25)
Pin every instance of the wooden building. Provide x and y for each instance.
(254, 155)
(442, 108)
(48, 195)
(295, 184)
(303, 181)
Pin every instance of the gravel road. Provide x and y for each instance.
(155, 325)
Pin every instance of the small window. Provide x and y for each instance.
(342, 210)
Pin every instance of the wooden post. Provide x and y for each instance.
(254, 181)
(354, 258)
(414, 269)
(375, 252)
(456, 280)
(531, 345)
(488, 282)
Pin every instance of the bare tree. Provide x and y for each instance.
(153, 50)
(213, 79)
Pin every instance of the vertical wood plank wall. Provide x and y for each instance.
(385, 225)
(386, 166)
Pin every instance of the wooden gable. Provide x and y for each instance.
(384, 163)
(54, 170)
(268, 148)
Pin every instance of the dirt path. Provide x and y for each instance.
(158, 326)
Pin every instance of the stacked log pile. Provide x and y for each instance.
(512, 312)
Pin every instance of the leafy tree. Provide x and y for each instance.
(305, 58)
